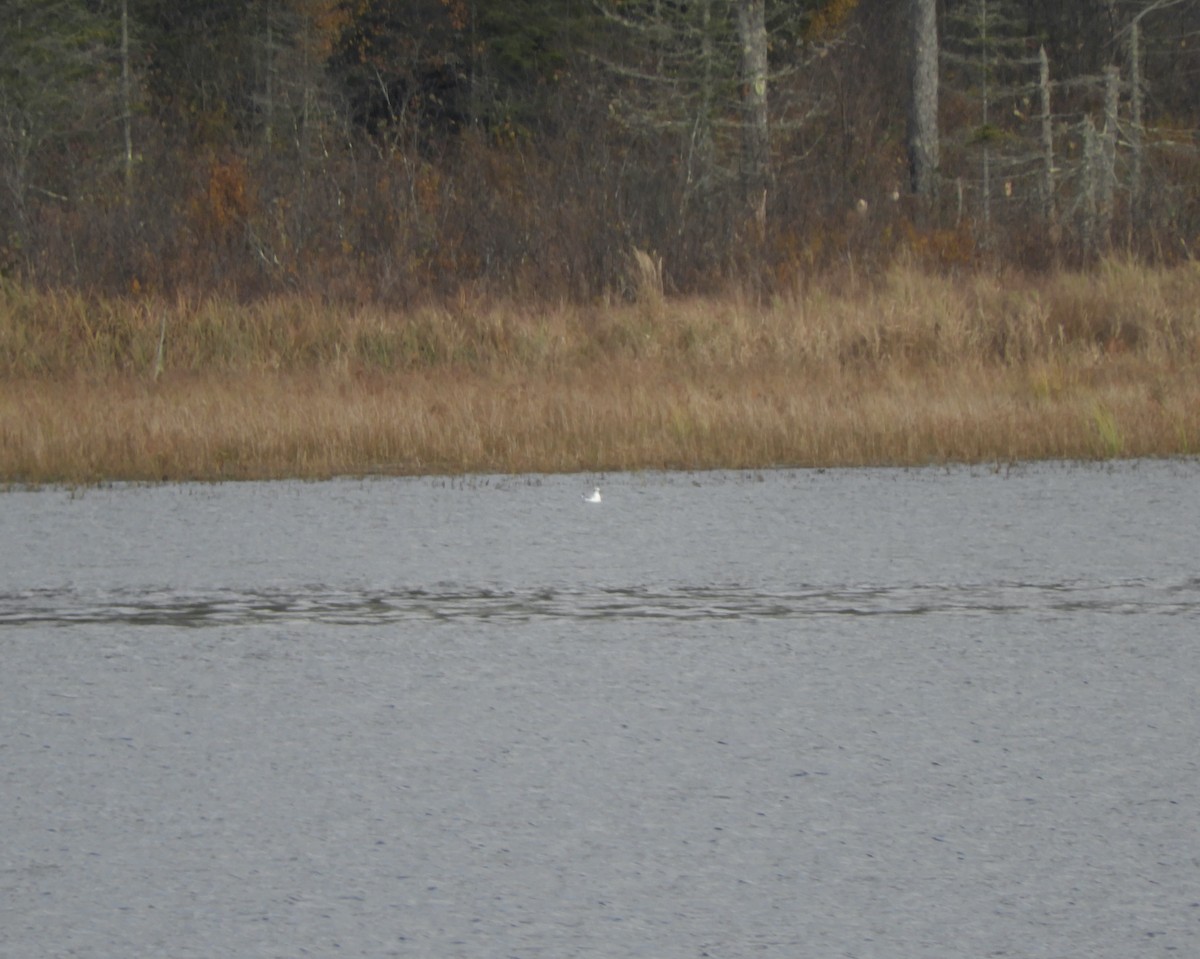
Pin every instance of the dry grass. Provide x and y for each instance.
(912, 369)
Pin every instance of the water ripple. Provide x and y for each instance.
(450, 602)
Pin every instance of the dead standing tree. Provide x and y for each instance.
(705, 88)
(923, 136)
(756, 132)
(990, 75)
(670, 72)
(1133, 37)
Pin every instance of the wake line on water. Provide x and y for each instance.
(448, 603)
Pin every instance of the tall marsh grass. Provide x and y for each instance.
(911, 368)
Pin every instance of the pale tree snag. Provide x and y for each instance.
(756, 131)
(126, 103)
(923, 99)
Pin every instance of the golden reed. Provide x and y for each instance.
(908, 369)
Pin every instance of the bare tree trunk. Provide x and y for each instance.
(985, 94)
(700, 149)
(1091, 174)
(1135, 125)
(756, 132)
(269, 131)
(1108, 174)
(923, 98)
(126, 102)
(1047, 138)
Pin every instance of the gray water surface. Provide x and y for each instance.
(875, 713)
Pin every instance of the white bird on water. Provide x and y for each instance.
(594, 497)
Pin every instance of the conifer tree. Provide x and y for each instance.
(989, 65)
(54, 89)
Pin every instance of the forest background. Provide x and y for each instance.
(387, 149)
(593, 234)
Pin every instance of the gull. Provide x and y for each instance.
(594, 497)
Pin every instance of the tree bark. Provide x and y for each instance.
(923, 98)
(1108, 153)
(1135, 124)
(756, 131)
(1047, 121)
(126, 102)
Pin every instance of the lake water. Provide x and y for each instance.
(870, 713)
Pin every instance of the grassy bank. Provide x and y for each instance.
(905, 370)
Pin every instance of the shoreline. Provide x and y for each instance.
(589, 478)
